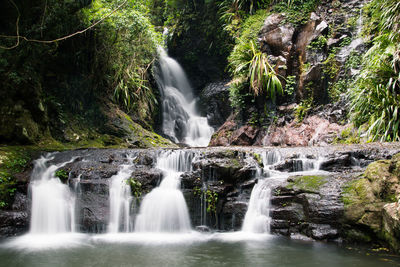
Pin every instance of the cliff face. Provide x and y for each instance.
(316, 61)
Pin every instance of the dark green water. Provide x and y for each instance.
(225, 250)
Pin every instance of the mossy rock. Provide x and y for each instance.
(309, 183)
(13, 160)
(354, 235)
(138, 136)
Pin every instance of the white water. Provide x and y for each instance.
(257, 218)
(181, 121)
(52, 223)
(120, 201)
(164, 208)
(53, 204)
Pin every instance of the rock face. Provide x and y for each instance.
(313, 130)
(336, 205)
(309, 205)
(214, 100)
(319, 58)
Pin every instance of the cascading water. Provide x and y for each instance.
(164, 208)
(52, 223)
(53, 204)
(120, 201)
(180, 119)
(257, 218)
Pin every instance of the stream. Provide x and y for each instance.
(203, 250)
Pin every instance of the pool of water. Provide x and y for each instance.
(229, 249)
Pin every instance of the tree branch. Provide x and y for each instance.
(58, 39)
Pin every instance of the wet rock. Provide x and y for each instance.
(232, 215)
(222, 137)
(391, 224)
(214, 99)
(322, 232)
(13, 223)
(203, 229)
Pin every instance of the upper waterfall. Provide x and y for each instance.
(180, 119)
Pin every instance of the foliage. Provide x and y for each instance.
(318, 44)
(335, 89)
(234, 12)
(74, 80)
(249, 66)
(331, 66)
(348, 136)
(303, 108)
(290, 85)
(212, 200)
(297, 11)
(62, 174)
(210, 196)
(12, 161)
(136, 187)
(128, 47)
(376, 96)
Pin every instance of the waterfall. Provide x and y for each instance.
(257, 218)
(180, 119)
(53, 204)
(120, 200)
(302, 163)
(164, 208)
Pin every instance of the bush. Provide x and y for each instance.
(376, 96)
(127, 46)
(249, 66)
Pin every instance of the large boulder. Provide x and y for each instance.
(214, 100)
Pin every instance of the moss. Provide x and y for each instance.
(235, 163)
(258, 158)
(357, 191)
(357, 236)
(310, 183)
(144, 138)
(13, 160)
(377, 170)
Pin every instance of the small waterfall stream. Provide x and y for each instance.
(164, 208)
(180, 119)
(257, 218)
(120, 201)
(53, 204)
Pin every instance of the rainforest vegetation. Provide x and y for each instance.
(66, 65)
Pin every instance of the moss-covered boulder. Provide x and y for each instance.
(370, 201)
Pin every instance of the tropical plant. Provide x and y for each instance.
(376, 96)
(127, 48)
(249, 64)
